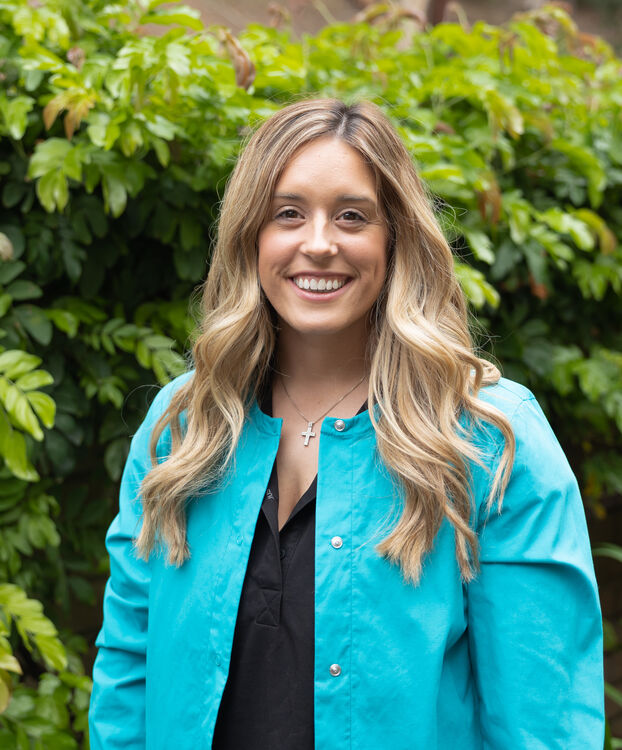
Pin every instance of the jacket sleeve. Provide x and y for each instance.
(117, 707)
(534, 619)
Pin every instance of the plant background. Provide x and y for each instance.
(118, 127)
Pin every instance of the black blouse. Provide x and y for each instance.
(267, 703)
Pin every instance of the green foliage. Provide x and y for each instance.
(114, 149)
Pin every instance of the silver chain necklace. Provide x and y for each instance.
(308, 433)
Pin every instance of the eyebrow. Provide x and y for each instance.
(343, 198)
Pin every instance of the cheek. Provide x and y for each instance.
(271, 258)
(271, 249)
(377, 254)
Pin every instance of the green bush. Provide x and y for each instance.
(114, 149)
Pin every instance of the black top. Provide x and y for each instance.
(267, 703)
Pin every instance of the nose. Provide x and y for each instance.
(319, 242)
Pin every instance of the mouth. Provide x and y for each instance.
(320, 285)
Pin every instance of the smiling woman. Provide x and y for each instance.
(391, 575)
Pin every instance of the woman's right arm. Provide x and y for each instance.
(117, 709)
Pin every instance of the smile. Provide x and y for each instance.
(318, 285)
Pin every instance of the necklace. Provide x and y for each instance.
(308, 433)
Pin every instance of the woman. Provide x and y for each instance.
(308, 571)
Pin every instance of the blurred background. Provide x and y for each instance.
(602, 17)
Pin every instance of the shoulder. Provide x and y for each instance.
(509, 398)
(536, 446)
(506, 395)
(522, 410)
(540, 465)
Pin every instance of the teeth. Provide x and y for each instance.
(321, 285)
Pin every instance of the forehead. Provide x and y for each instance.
(327, 164)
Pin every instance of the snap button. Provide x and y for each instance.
(337, 542)
(218, 660)
(282, 553)
(239, 539)
(335, 670)
(340, 425)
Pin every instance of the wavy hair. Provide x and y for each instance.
(425, 376)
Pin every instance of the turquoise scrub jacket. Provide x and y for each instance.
(510, 661)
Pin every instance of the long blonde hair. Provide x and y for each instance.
(424, 372)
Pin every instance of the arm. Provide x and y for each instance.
(535, 627)
(117, 708)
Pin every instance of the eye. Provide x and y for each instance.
(288, 213)
(352, 216)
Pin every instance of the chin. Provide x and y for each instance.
(321, 327)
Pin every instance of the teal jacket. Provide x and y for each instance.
(511, 661)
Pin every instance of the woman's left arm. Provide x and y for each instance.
(534, 619)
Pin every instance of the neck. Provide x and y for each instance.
(316, 364)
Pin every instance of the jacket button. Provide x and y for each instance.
(337, 542)
(335, 670)
(340, 425)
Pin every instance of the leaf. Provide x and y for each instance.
(480, 244)
(190, 17)
(12, 193)
(33, 624)
(5, 304)
(44, 407)
(131, 138)
(143, 355)
(22, 289)
(10, 663)
(606, 237)
(114, 458)
(569, 224)
(64, 321)
(242, 64)
(588, 164)
(52, 191)
(613, 693)
(162, 151)
(49, 155)
(35, 322)
(606, 549)
(10, 270)
(15, 113)
(5, 693)
(15, 362)
(18, 407)
(115, 195)
(156, 341)
(445, 172)
(33, 380)
(475, 286)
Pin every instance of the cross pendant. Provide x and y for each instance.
(308, 433)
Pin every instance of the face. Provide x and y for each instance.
(323, 249)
